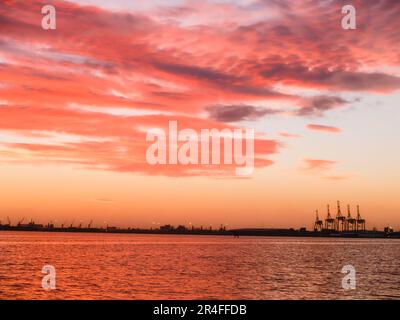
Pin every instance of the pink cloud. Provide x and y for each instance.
(338, 178)
(156, 62)
(322, 128)
(289, 135)
(319, 164)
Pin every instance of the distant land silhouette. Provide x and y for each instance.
(169, 229)
(340, 226)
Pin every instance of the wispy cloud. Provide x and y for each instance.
(289, 135)
(234, 113)
(103, 200)
(317, 105)
(338, 177)
(323, 128)
(319, 164)
(140, 67)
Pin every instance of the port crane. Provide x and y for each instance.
(340, 219)
(318, 224)
(360, 221)
(90, 224)
(341, 222)
(351, 223)
(329, 221)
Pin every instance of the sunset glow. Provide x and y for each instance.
(76, 104)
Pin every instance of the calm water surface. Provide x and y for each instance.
(110, 266)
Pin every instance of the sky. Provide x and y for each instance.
(76, 104)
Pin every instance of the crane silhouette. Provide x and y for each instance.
(329, 221)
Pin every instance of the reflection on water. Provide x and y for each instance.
(111, 266)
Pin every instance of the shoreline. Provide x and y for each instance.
(233, 233)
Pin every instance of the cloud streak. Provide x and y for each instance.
(316, 106)
(319, 164)
(235, 113)
(322, 128)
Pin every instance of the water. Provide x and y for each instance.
(112, 266)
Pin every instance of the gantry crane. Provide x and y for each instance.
(20, 222)
(318, 224)
(351, 223)
(329, 221)
(360, 221)
(340, 219)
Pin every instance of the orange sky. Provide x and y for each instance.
(76, 103)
